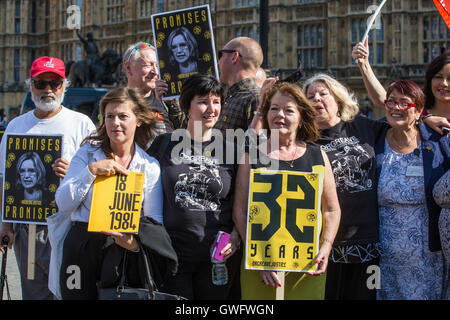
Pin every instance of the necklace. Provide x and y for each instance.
(123, 163)
(291, 163)
(126, 161)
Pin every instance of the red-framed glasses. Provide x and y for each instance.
(402, 105)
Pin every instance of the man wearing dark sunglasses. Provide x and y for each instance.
(239, 61)
(47, 84)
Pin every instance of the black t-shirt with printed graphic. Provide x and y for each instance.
(198, 186)
(350, 147)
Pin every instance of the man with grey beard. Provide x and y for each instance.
(47, 85)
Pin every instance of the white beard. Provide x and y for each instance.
(47, 106)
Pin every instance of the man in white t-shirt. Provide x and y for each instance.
(47, 85)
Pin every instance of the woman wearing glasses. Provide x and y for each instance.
(410, 160)
(436, 86)
(349, 142)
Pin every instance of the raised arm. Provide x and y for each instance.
(376, 91)
(81, 37)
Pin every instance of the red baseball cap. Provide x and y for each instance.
(48, 64)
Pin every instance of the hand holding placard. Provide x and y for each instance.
(116, 203)
(372, 19)
(375, 17)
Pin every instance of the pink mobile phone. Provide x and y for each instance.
(220, 242)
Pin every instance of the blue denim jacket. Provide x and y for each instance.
(436, 161)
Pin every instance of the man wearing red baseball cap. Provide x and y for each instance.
(47, 85)
(48, 64)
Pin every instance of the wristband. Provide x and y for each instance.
(257, 113)
(426, 116)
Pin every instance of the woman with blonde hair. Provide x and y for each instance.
(349, 141)
(346, 100)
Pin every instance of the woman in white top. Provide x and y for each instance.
(116, 148)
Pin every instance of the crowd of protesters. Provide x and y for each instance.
(385, 199)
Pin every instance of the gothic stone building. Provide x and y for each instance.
(317, 34)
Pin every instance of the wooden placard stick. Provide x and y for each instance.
(31, 251)
(279, 294)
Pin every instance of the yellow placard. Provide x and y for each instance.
(116, 203)
(283, 220)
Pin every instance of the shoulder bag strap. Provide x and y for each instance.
(123, 280)
(151, 286)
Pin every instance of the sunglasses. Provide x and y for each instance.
(140, 45)
(402, 105)
(42, 84)
(228, 51)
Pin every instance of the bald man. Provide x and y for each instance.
(239, 61)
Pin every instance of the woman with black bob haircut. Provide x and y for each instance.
(199, 84)
(198, 192)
